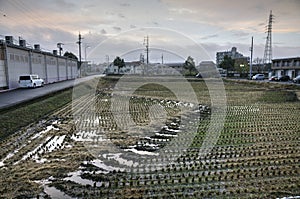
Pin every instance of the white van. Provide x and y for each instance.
(30, 81)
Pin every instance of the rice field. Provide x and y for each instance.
(89, 149)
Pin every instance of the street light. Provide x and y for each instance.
(86, 46)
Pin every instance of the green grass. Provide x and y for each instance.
(278, 96)
(21, 115)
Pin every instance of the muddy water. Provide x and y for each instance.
(55, 193)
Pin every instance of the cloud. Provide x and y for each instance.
(125, 4)
(182, 11)
(121, 15)
(209, 37)
(234, 14)
(118, 29)
(48, 22)
(285, 51)
(240, 33)
(103, 31)
(62, 4)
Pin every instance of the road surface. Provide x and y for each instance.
(14, 97)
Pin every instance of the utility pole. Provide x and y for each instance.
(162, 58)
(251, 54)
(107, 59)
(146, 43)
(79, 45)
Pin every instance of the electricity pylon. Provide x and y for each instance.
(268, 46)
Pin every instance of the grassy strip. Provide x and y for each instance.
(21, 115)
(13, 118)
(270, 85)
(279, 96)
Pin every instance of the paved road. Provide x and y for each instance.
(13, 97)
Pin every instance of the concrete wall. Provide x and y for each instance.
(3, 82)
(52, 69)
(18, 64)
(62, 69)
(2, 75)
(21, 61)
(38, 65)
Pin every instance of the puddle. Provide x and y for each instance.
(55, 193)
(100, 164)
(165, 135)
(119, 159)
(55, 143)
(47, 146)
(10, 155)
(75, 177)
(48, 128)
(34, 151)
(52, 191)
(87, 136)
(141, 152)
(41, 161)
(7, 157)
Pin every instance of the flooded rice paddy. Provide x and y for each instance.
(257, 154)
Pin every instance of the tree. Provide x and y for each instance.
(189, 64)
(227, 63)
(119, 62)
(70, 55)
(241, 65)
(258, 64)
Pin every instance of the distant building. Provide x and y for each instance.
(286, 66)
(206, 64)
(139, 68)
(233, 54)
(18, 59)
(208, 69)
(174, 68)
(133, 67)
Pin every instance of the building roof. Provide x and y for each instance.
(2, 42)
(286, 58)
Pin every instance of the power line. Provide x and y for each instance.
(31, 14)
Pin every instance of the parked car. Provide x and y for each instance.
(297, 79)
(258, 77)
(273, 78)
(284, 78)
(30, 81)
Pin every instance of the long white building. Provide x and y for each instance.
(18, 59)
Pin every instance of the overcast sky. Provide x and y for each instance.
(176, 28)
